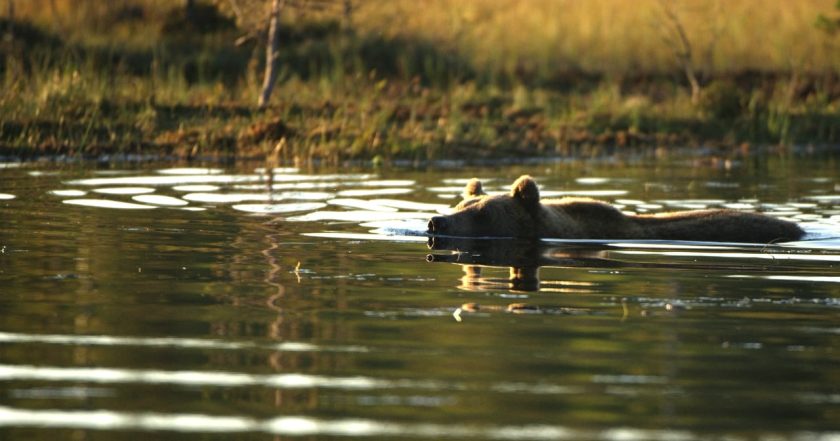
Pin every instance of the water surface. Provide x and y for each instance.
(246, 304)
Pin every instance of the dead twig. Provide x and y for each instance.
(677, 39)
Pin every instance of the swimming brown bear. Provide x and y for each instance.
(522, 214)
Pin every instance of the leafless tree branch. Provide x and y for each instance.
(271, 52)
(677, 38)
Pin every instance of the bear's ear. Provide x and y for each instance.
(473, 189)
(526, 191)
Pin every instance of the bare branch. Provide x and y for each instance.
(237, 11)
(682, 48)
(271, 53)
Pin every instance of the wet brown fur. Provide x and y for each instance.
(521, 213)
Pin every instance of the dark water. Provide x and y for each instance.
(325, 318)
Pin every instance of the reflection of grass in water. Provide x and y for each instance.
(444, 82)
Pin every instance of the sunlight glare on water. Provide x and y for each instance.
(190, 171)
(278, 208)
(196, 188)
(155, 199)
(165, 301)
(124, 190)
(68, 193)
(104, 203)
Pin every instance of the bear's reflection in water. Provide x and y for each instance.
(523, 258)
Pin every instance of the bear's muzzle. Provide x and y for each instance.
(438, 225)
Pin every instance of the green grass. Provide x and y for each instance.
(386, 92)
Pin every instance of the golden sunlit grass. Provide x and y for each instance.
(613, 36)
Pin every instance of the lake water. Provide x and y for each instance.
(146, 301)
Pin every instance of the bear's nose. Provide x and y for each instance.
(437, 224)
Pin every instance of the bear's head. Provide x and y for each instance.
(479, 215)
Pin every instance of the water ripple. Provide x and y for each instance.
(196, 378)
(755, 256)
(358, 216)
(67, 193)
(105, 340)
(310, 426)
(279, 208)
(374, 192)
(105, 203)
(155, 199)
(168, 180)
(124, 190)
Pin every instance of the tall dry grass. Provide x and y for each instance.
(614, 36)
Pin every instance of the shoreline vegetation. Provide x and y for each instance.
(391, 80)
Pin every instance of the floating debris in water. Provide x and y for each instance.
(6, 196)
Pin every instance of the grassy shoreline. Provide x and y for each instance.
(394, 120)
(364, 95)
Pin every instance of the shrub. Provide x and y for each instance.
(722, 100)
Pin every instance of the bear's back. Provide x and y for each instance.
(596, 219)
